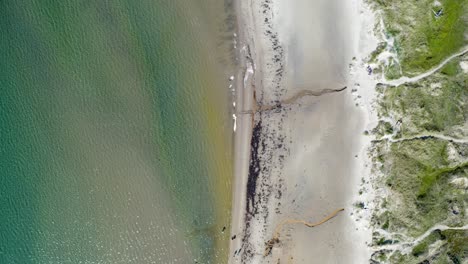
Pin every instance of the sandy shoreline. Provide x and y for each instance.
(306, 158)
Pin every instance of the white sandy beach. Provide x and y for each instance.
(307, 157)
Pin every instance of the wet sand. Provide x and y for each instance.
(302, 158)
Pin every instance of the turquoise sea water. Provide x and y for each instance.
(115, 141)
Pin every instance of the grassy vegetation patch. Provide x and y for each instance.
(393, 70)
(383, 128)
(431, 176)
(424, 39)
(434, 105)
(452, 68)
(457, 244)
(419, 175)
(419, 249)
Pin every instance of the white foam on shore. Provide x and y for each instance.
(248, 73)
(234, 117)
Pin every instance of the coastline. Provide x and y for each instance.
(298, 141)
(243, 107)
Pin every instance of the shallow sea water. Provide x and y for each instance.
(115, 134)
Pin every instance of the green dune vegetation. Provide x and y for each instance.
(426, 178)
(437, 104)
(421, 149)
(424, 169)
(424, 32)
